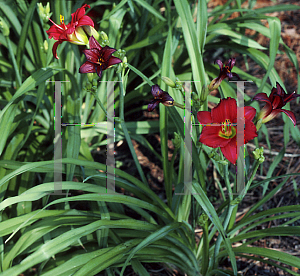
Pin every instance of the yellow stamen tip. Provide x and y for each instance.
(61, 18)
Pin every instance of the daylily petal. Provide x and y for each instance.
(235, 75)
(291, 115)
(107, 52)
(279, 90)
(230, 63)
(114, 60)
(230, 151)
(204, 117)
(79, 13)
(226, 109)
(91, 55)
(94, 44)
(98, 70)
(262, 97)
(220, 63)
(249, 113)
(166, 98)
(87, 67)
(55, 32)
(156, 91)
(153, 104)
(251, 132)
(54, 48)
(85, 21)
(210, 137)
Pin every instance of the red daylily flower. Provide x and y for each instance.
(274, 103)
(160, 96)
(225, 72)
(98, 58)
(220, 127)
(72, 32)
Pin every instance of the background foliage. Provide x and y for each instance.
(89, 231)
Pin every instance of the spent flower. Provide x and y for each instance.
(163, 97)
(274, 103)
(225, 72)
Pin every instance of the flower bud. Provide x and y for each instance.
(259, 154)
(88, 86)
(103, 39)
(45, 45)
(79, 37)
(168, 82)
(103, 35)
(91, 76)
(202, 219)
(178, 84)
(91, 31)
(120, 54)
(4, 27)
(176, 141)
(95, 82)
(204, 93)
(44, 12)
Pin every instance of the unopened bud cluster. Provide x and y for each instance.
(4, 27)
(44, 12)
(103, 39)
(176, 141)
(259, 154)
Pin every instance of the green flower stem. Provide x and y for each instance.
(172, 163)
(256, 166)
(179, 105)
(232, 209)
(219, 239)
(100, 104)
(14, 62)
(163, 126)
(126, 134)
(227, 219)
(205, 249)
(227, 182)
(173, 157)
